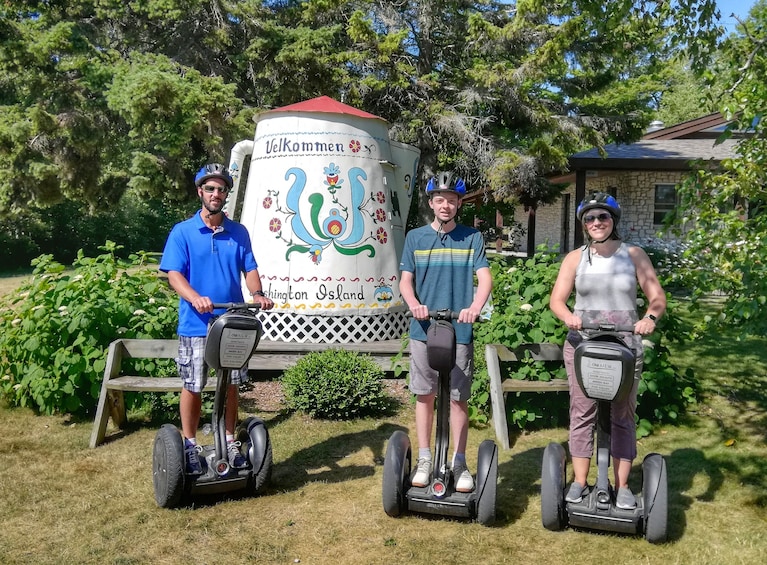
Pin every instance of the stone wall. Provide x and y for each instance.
(635, 192)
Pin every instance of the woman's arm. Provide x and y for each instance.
(563, 288)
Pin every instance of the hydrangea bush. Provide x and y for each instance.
(521, 315)
(56, 328)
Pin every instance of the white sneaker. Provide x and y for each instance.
(464, 482)
(422, 476)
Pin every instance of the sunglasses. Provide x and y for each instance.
(601, 217)
(211, 188)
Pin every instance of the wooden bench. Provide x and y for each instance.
(499, 387)
(269, 356)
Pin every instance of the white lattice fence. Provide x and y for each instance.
(283, 326)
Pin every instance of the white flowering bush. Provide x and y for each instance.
(56, 328)
(668, 258)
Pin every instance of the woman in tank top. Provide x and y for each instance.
(604, 274)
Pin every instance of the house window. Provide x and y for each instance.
(665, 201)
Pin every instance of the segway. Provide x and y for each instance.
(604, 368)
(232, 340)
(439, 497)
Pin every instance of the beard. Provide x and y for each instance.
(212, 209)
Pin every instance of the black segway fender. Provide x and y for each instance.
(487, 479)
(259, 443)
(553, 470)
(655, 498)
(396, 477)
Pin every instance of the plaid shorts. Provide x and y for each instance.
(192, 368)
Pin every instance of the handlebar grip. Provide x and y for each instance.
(236, 305)
(609, 327)
(441, 315)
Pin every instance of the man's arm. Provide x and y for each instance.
(179, 283)
(253, 282)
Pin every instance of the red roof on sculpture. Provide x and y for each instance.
(324, 105)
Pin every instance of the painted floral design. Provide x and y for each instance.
(332, 181)
(381, 215)
(267, 202)
(354, 145)
(382, 236)
(275, 225)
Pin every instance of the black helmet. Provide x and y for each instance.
(444, 182)
(599, 200)
(213, 171)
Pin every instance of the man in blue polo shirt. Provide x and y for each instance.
(205, 258)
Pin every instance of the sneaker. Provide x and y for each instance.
(236, 459)
(192, 456)
(625, 499)
(464, 482)
(422, 476)
(576, 492)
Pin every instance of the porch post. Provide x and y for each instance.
(580, 194)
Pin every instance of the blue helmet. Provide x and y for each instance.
(211, 171)
(444, 182)
(599, 200)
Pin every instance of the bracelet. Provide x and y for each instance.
(653, 317)
(257, 293)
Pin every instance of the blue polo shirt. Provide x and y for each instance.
(213, 263)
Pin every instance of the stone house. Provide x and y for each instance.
(643, 176)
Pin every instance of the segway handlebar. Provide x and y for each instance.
(442, 315)
(606, 327)
(236, 305)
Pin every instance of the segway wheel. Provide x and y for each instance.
(553, 487)
(396, 476)
(487, 480)
(255, 436)
(655, 498)
(168, 467)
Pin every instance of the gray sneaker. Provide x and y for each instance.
(422, 476)
(576, 492)
(464, 482)
(625, 499)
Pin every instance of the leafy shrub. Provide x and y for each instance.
(56, 328)
(521, 315)
(336, 384)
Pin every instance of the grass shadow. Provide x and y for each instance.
(320, 462)
(517, 483)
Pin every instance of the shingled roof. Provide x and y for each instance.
(655, 154)
(671, 148)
